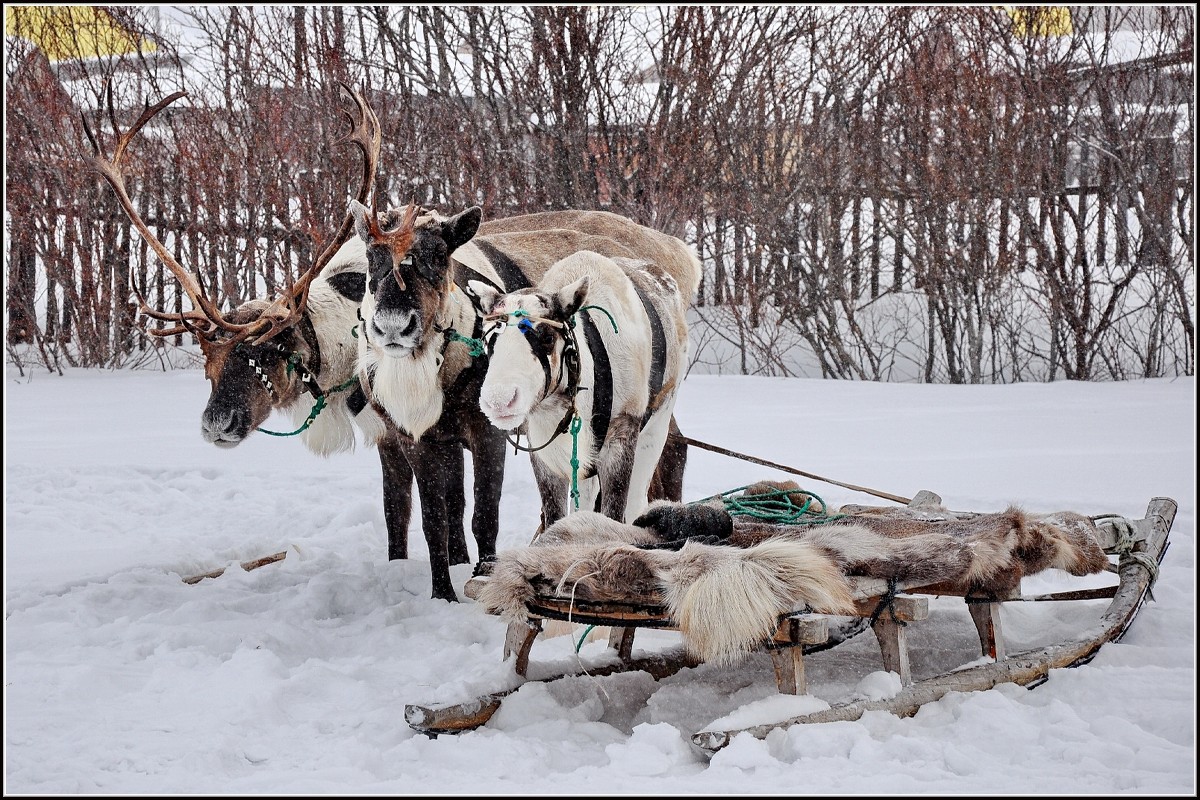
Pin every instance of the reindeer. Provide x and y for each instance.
(420, 358)
(297, 353)
(597, 405)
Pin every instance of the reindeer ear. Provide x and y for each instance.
(459, 229)
(361, 226)
(483, 296)
(571, 298)
(351, 285)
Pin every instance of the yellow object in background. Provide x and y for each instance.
(68, 32)
(1041, 20)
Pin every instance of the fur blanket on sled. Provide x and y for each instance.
(726, 583)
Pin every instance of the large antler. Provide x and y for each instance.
(364, 132)
(112, 170)
(283, 312)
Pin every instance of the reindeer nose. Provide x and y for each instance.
(394, 327)
(224, 428)
(500, 398)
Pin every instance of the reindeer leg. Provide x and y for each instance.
(487, 455)
(667, 483)
(652, 454)
(553, 489)
(456, 510)
(615, 467)
(590, 495)
(397, 494)
(433, 464)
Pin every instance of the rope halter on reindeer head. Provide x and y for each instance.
(252, 330)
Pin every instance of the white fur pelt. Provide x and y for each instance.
(727, 598)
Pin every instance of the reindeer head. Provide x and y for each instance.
(409, 277)
(251, 353)
(530, 342)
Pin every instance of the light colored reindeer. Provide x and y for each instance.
(589, 364)
(420, 356)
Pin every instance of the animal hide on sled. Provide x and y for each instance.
(725, 583)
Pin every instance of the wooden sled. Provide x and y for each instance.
(888, 610)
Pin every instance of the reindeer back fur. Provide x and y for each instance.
(671, 254)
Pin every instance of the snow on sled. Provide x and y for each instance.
(733, 579)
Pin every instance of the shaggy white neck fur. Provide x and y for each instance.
(333, 317)
(410, 388)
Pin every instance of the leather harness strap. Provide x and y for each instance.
(511, 275)
(658, 361)
(602, 381)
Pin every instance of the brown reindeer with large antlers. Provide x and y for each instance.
(282, 313)
(296, 344)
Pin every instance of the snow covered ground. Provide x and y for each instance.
(121, 678)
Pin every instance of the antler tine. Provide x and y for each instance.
(162, 316)
(368, 135)
(111, 169)
(365, 132)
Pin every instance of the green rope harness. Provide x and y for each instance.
(317, 408)
(475, 347)
(583, 638)
(775, 506)
(605, 312)
(576, 424)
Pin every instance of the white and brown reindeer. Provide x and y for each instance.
(420, 356)
(589, 363)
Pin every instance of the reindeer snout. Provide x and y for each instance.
(396, 329)
(224, 428)
(502, 405)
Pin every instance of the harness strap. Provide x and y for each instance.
(356, 401)
(658, 361)
(263, 377)
(307, 379)
(511, 275)
(602, 385)
(309, 332)
(544, 359)
(463, 274)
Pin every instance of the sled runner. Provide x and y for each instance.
(807, 587)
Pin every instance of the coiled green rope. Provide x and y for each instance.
(775, 506)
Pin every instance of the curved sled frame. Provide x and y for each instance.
(1140, 548)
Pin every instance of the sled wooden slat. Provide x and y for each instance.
(802, 628)
(434, 719)
(246, 565)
